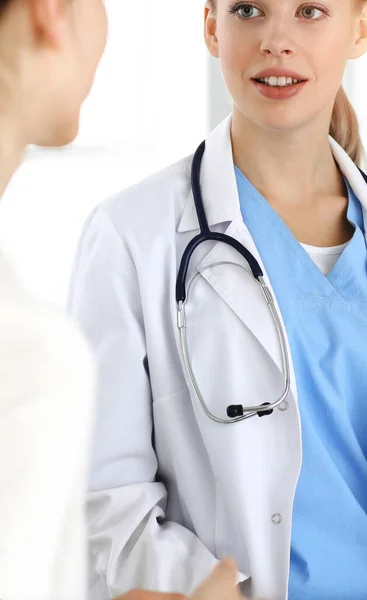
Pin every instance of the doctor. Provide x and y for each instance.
(283, 490)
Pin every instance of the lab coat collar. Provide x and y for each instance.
(353, 175)
(218, 182)
(219, 187)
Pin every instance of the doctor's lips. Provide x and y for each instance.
(279, 84)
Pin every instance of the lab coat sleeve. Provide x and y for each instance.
(132, 545)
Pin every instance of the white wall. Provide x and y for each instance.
(356, 87)
(148, 108)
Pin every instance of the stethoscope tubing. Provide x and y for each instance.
(182, 293)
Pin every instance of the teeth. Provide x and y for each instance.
(275, 81)
(279, 81)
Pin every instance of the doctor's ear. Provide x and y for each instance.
(211, 28)
(47, 19)
(360, 43)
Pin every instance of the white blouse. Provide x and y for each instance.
(46, 391)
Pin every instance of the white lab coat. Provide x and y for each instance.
(220, 490)
(46, 409)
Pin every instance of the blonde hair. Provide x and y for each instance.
(344, 127)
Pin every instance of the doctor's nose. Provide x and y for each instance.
(278, 46)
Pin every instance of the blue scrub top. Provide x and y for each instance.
(326, 322)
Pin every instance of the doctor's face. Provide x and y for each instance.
(311, 40)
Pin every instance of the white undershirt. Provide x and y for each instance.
(325, 258)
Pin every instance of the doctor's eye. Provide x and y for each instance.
(245, 10)
(312, 12)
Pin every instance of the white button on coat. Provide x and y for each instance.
(276, 519)
(284, 406)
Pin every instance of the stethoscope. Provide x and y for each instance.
(235, 412)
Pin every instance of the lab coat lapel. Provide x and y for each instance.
(353, 175)
(236, 287)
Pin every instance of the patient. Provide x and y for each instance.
(49, 51)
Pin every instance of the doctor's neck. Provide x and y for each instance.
(289, 167)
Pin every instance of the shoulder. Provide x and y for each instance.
(157, 199)
(135, 225)
(38, 344)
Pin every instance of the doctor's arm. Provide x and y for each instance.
(131, 544)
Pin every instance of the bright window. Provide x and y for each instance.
(356, 86)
